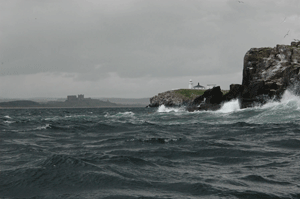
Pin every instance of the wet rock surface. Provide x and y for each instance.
(210, 100)
(268, 72)
(169, 98)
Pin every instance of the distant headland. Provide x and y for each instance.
(267, 73)
(74, 101)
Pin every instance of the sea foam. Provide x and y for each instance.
(288, 100)
(230, 106)
(164, 109)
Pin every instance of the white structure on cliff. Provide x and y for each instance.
(191, 84)
(199, 87)
(209, 86)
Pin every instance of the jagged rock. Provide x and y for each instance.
(268, 72)
(234, 92)
(210, 100)
(169, 98)
(210, 96)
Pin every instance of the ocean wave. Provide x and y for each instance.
(60, 161)
(160, 140)
(261, 179)
(120, 114)
(259, 194)
(287, 143)
(230, 154)
(122, 160)
(229, 107)
(164, 109)
(9, 122)
(47, 126)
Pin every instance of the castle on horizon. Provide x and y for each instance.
(75, 98)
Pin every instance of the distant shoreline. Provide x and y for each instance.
(72, 107)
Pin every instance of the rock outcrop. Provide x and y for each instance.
(170, 98)
(267, 73)
(210, 100)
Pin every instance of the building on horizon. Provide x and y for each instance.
(198, 86)
(209, 86)
(71, 97)
(191, 84)
(75, 98)
(80, 96)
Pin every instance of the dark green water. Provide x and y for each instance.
(151, 153)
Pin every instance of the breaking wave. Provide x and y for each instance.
(230, 106)
(164, 109)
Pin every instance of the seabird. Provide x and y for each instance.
(286, 34)
(240, 1)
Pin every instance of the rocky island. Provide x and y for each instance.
(267, 73)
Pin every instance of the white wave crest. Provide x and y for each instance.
(230, 106)
(9, 122)
(283, 111)
(288, 100)
(120, 114)
(7, 116)
(164, 109)
(43, 127)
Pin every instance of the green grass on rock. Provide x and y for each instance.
(190, 93)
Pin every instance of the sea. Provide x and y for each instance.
(152, 152)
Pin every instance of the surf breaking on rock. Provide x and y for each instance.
(267, 74)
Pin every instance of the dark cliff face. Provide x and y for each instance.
(210, 100)
(272, 65)
(268, 72)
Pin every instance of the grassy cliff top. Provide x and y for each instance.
(192, 93)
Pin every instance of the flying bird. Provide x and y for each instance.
(286, 34)
(240, 1)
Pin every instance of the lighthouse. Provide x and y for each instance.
(191, 84)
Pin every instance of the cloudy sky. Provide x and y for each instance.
(133, 48)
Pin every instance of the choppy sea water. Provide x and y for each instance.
(152, 152)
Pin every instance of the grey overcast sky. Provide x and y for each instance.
(133, 48)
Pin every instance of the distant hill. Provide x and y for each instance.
(87, 102)
(128, 101)
(57, 104)
(19, 103)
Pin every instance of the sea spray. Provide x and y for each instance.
(230, 106)
(288, 100)
(164, 109)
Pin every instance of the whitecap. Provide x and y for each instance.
(164, 109)
(230, 106)
(9, 122)
(120, 114)
(127, 113)
(284, 111)
(43, 127)
(288, 100)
